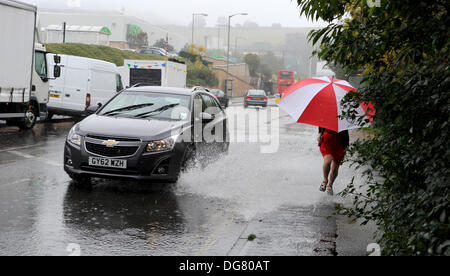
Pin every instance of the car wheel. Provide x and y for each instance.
(50, 116)
(188, 159)
(30, 119)
(225, 148)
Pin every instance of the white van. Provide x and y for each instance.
(83, 82)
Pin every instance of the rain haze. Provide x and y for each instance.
(262, 12)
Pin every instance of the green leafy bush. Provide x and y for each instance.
(402, 51)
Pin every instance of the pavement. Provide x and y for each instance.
(211, 211)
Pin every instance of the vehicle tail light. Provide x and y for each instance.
(249, 98)
(88, 100)
(265, 98)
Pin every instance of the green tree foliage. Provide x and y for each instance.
(162, 44)
(253, 61)
(402, 51)
(266, 70)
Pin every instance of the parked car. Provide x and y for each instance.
(256, 98)
(158, 51)
(221, 96)
(145, 134)
(83, 82)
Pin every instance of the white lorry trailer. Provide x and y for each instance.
(153, 73)
(24, 81)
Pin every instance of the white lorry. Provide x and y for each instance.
(83, 82)
(24, 80)
(153, 73)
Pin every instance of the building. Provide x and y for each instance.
(238, 72)
(96, 35)
(125, 30)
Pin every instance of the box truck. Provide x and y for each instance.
(24, 80)
(153, 73)
(83, 82)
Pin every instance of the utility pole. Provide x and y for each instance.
(64, 32)
(193, 23)
(228, 49)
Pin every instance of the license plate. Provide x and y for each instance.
(257, 98)
(56, 96)
(107, 163)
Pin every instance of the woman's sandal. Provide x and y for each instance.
(330, 191)
(323, 187)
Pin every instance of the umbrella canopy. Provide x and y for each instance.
(317, 102)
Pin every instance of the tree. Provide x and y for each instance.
(401, 49)
(162, 44)
(253, 61)
(273, 62)
(266, 70)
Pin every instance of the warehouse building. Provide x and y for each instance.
(126, 32)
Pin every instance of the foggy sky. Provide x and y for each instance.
(179, 12)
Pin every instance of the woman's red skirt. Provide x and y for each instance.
(332, 145)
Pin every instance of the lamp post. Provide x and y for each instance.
(193, 23)
(228, 49)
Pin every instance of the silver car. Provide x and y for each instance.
(256, 98)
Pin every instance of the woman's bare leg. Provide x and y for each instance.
(328, 159)
(334, 173)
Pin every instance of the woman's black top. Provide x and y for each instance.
(344, 136)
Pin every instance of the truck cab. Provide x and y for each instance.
(37, 106)
(40, 81)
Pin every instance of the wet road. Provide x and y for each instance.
(210, 211)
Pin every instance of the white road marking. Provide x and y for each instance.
(29, 146)
(28, 156)
(16, 182)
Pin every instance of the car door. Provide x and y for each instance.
(103, 86)
(217, 128)
(57, 86)
(76, 85)
(198, 126)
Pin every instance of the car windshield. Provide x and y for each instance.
(142, 105)
(256, 93)
(218, 93)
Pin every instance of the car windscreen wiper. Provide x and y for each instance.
(128, 108)
(157, 111)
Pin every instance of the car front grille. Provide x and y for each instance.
(118, 151)
(96, 137)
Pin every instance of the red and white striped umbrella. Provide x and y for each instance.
(317, 102)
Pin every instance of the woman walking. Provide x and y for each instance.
(332, 146)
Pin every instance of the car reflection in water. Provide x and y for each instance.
(118, 218)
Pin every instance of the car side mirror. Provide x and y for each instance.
(57, 59)
(56, 71)
(206, 118)
(92, 109)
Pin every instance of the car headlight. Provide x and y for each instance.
(167, 144)
(74, 138)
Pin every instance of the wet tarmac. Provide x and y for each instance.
(211, 211)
